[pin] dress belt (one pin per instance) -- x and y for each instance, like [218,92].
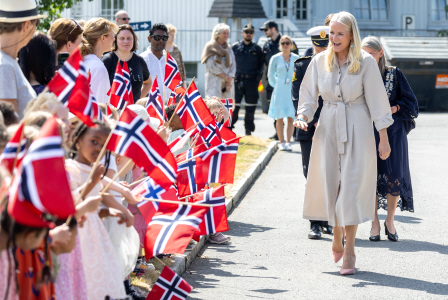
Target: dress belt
[341,132]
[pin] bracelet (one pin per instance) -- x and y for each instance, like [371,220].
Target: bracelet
[301,120]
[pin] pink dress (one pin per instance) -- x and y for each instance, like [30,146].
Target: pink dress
[4,264]
[99,258]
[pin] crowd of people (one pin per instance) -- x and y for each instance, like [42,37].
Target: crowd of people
[336,94]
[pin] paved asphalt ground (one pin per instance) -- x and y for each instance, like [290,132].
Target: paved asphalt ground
[270,256]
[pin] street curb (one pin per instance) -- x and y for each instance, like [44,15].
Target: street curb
[183,261]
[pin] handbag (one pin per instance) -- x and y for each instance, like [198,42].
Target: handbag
[408,124]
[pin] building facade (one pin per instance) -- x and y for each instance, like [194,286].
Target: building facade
[295,17]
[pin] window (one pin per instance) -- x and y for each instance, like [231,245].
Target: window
[282,9]
[301,9]
[110,7]
[191,68]
[371,9]
[77,10]
[438,11]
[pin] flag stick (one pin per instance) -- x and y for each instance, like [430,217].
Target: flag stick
[193,194]
[117,175]
[138,181]
[175,111]
[177,202]
[160,261]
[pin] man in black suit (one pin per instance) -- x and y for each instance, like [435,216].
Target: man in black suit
[319,39]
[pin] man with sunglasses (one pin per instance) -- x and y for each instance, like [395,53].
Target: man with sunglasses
[155,56]
[249,70]
[122,17]
[271,48]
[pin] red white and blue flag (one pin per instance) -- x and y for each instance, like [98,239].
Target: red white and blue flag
[169,286]
[151,190]
[9,155]
[211,135]
[180,141]
[33,192]
[127,77]
[118,91]
[228,104]
[192,109]
[217,164]
[172,227]
[63,83]
[225,133]
[215,220]
[154,105]
[134,138]
[186,171]
[172,74]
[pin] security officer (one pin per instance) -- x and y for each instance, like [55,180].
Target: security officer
[249,70]
[319,39]
[270,48]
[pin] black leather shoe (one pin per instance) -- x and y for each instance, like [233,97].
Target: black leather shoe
[274,137]
[315,232]
[375,238]
[327,229]
[390,236]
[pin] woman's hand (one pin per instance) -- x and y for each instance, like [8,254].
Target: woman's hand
[130,198]
[229,79]
[300,124]
[228,86]
[383,146]
[395,109]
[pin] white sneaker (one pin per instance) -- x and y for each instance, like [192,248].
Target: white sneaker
[288,147]
[282,147]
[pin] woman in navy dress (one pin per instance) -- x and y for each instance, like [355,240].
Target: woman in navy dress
[394,188]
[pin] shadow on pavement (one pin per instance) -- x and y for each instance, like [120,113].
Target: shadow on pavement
[403,245]
[377,279]
[401,219]
[245,229]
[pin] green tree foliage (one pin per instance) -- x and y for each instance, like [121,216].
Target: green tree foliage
[443,32]
[53,9]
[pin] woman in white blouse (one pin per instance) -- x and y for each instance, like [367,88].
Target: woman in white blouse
[97,38]
[342,172]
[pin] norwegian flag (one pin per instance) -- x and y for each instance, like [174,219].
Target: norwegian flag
[134,138]
[82,103]
[215,220]
[63,82]
[172,75]
[177,92]
[172,227]
[192,109]
[169,286]
[228,104]
[127,77]
[150,189]
[154,105]
[217,164]
[33,192]
[172,99]
[211,135]
[180,141]
[118,91]
[226,133]
[186,172]
[10,153]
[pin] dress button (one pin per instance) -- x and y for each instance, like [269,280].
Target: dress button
[339,96]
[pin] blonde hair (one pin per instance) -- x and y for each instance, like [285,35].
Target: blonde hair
[63,30]
[38,118]
[214,104]
[374,43]
[171,28]
[94,29]
[331,61]
[30,133]
[113,110]
[46,102]
[142,101]
[284,37]
[218,29]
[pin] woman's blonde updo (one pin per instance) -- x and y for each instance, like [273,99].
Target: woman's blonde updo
[354,52]
[94,29]
[63,30]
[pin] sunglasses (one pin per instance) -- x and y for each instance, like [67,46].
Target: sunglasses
[159,37]
[249,32]
[286,43]
[266,29]
[125,19]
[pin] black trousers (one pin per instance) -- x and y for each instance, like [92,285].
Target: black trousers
[247,88]
[305,147]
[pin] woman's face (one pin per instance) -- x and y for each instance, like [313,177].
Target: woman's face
[72,46]
[171,38]
[90,144]
[223,36]
[108,39]
[376,54]
[340,37]
[286,45]
[125,41]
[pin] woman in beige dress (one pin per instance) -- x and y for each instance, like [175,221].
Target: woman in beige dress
[342,173]
[220,66]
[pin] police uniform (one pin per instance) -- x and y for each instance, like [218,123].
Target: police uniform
[319,37]
[270,48]
[249,70]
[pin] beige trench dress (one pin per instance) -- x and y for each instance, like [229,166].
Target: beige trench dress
[344,151]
